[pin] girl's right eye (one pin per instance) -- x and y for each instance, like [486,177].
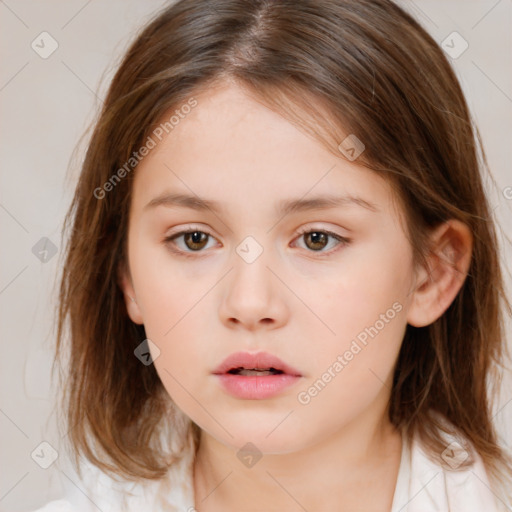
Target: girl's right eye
[195,240]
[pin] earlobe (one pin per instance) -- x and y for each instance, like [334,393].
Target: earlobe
[126,285]
[448,263]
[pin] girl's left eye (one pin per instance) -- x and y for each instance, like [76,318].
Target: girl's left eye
[195,240]
[317,239]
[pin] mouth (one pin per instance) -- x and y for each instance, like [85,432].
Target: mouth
[257,376]
[249,364]
[249,372]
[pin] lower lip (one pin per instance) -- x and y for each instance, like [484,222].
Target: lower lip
[256,387]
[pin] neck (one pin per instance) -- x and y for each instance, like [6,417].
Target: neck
[332,474]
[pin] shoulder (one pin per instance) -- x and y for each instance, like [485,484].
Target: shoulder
[98,491]
[57,506]
[458,483]
[95,490]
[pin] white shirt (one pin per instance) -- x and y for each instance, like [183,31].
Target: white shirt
[422,486]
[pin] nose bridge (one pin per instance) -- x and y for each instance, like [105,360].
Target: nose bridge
[252,291]
[251,262]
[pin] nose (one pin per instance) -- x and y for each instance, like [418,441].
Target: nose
[254,297]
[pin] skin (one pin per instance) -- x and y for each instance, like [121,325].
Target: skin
[301,304]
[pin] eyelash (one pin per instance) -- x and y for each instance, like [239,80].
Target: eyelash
[343,241]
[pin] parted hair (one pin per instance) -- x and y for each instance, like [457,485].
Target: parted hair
[333,67]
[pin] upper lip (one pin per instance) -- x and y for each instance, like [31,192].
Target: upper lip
[259,360]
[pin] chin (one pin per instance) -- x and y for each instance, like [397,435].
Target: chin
[270,434]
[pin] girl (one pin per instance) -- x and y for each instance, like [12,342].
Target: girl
[282,279]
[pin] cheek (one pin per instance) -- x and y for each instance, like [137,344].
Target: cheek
[354,367]
[369,290]
[166,288]
[364,310]
[334,399]
[172,304]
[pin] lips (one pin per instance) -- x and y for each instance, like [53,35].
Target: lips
[258,376]
[259,364]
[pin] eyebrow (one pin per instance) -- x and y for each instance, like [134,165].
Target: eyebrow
[283,208]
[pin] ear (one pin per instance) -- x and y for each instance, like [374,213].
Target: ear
[448,262]
[126,285]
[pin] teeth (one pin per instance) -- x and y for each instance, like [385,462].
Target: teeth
[254,371]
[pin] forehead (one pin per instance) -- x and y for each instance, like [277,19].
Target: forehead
[234,150]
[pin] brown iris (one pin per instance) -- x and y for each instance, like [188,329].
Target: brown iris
[316,237]
[197,239]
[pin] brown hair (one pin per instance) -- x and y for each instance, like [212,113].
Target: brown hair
[334,67]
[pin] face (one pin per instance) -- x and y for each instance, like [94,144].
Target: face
[324,289]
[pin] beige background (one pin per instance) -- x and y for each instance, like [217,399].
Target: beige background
[46,104]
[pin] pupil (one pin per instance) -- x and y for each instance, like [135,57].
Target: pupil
[195,238]
[318,238]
